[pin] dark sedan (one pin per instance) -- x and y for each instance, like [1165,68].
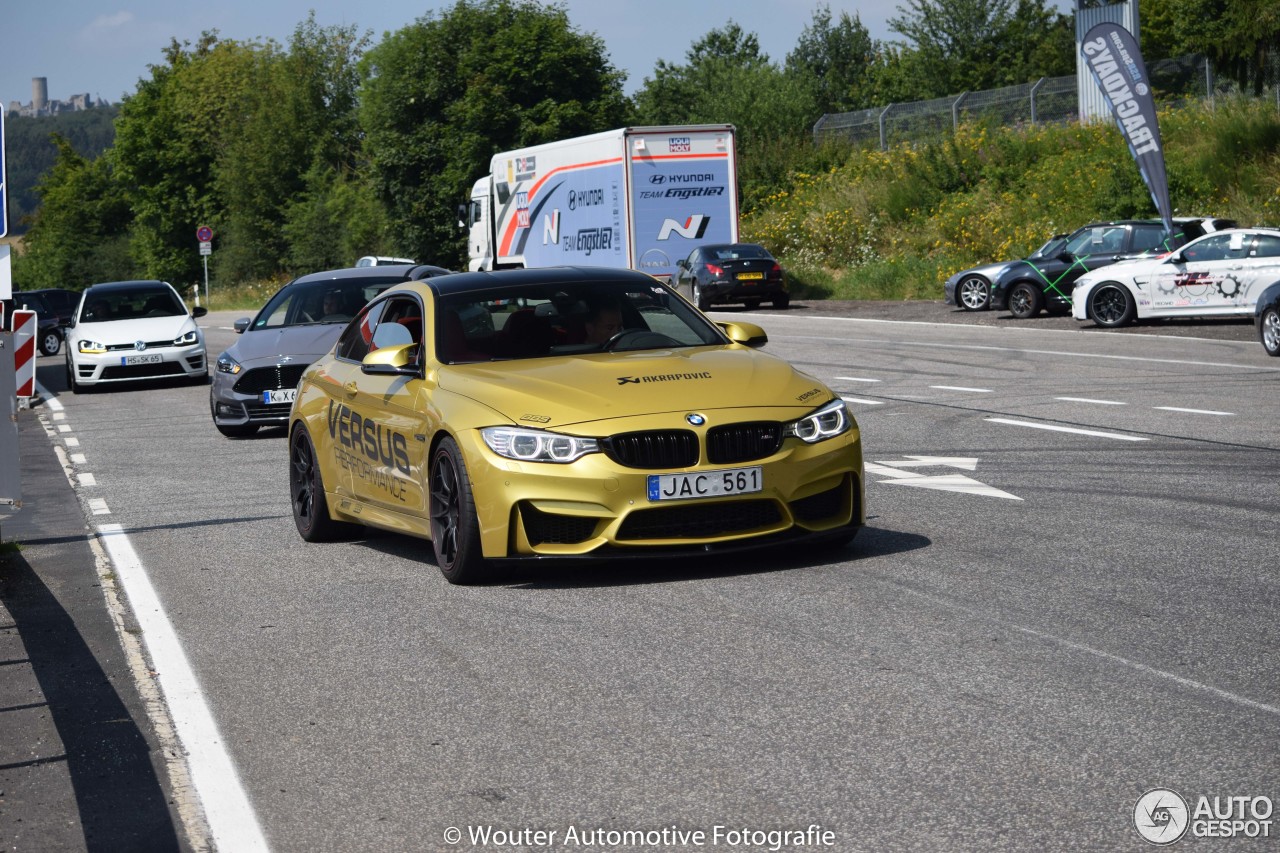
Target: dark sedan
[255,378]
[1267,317]
[732,272]
[52,306]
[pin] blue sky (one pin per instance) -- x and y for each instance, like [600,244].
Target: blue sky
[103,48]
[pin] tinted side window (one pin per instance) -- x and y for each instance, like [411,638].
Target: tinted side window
[1268,246]
[1146,238]
[1215,248]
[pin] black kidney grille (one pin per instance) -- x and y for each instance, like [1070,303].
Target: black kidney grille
[699,521]
[674,448]
[261,379]
[743,442]
[541,527]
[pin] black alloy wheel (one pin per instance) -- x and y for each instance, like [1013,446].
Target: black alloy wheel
[1111,306]
[1025,301]
[455,531]
[306,492]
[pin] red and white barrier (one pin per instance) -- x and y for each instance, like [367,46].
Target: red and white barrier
[24,352]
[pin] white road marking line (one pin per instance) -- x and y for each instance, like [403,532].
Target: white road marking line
[98,506]
[52,402]
[72,442]
[233,824]
[77,458]
[862,401]
[59,416]
[64,428]
[1054,428]
[856,379]
[1195,411]
[87,479]
[1108,656]
[961,388]
[1087,400]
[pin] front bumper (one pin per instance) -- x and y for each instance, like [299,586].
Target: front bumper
[597,508]
[114,365]
[245,398]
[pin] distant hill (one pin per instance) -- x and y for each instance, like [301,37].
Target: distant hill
[29,153]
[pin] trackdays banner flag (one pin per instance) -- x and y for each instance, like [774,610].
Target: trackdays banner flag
[1116,64]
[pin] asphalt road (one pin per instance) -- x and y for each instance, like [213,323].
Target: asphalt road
[1037,626]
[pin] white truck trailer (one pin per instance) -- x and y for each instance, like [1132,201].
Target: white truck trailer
[638,197]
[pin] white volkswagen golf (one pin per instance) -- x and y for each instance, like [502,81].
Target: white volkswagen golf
[126,331]
[1218,275]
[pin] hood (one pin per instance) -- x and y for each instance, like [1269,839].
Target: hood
[149,329]
[304,344]
[568,390]
[990,271]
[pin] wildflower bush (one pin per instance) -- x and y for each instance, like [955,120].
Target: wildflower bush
[896,224]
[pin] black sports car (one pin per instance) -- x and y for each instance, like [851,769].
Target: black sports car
[732,272]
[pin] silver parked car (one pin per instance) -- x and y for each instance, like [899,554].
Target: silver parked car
[254,380]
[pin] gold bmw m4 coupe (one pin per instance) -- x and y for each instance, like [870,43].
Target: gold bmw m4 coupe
[566,413]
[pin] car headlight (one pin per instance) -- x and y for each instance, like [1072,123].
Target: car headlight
[186,339]
[90,346]
[534,445]
[831,420]
[227,364]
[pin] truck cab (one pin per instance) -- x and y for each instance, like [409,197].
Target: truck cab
[476,220]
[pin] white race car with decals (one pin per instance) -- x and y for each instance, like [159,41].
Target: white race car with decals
[1218,275]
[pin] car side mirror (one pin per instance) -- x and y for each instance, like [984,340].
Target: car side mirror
[1066,256]
[682,264]
[67,322]
[747,334]
[241,325]
[399,360]
[199,311]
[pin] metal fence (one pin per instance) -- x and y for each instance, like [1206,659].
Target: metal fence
[1049,99]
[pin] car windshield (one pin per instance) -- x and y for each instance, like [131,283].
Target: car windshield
[1051,247]
[131,304]
[316,302]
[570,318]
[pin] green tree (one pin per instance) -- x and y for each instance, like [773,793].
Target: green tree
[80,234]
[835,61]
[727,80]
[444,94]
[1241,38]
[30,152]
[966,45]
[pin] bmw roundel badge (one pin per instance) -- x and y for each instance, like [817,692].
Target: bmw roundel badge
[695,419]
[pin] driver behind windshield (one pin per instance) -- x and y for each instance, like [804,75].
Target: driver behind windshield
[604,321]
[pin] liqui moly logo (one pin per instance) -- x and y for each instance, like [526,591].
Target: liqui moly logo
[679,145]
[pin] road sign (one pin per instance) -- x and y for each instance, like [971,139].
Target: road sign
[206,248]
[204,233]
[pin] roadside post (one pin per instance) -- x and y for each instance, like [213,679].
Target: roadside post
[10,460]
[205,235]
[23,372]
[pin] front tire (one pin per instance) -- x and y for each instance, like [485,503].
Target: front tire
[50,343]
[1025,301]
[1269,331]
[1111,306]
[973,293]
[455,531]
[306,492]
[781,303]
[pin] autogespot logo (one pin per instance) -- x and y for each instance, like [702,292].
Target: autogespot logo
[1161,816]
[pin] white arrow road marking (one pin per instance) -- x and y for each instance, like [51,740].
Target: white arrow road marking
[942,483]
[966,462]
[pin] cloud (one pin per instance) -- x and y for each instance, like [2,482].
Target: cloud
[110,22]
